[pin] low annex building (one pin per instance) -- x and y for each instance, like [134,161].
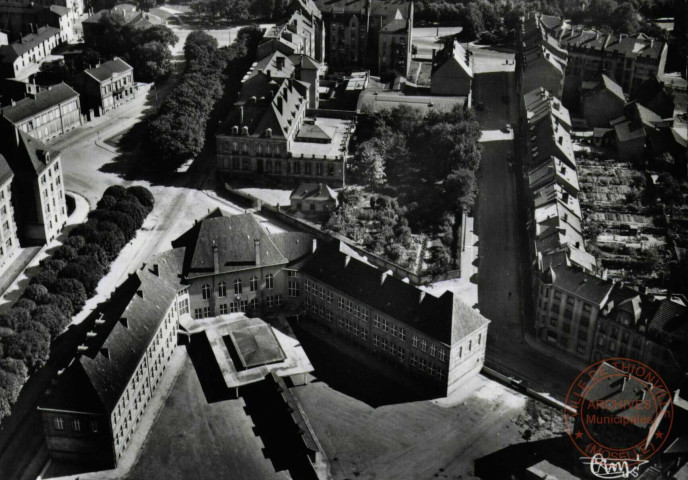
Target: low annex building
[315,199]
[451,71]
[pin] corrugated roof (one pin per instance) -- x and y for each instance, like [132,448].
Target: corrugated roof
[29,107]
[445,318]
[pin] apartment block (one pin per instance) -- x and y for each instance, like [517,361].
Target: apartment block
[47,113]
[94,407]
[22,58]
[37,187]
[8,227]
[370,34]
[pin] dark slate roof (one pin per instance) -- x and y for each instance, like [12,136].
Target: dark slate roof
[671,319]
[24,154]
[59,10]
[131,317]
[444,318]
[18,48]
[313,191]
[295,246]
[610,383]
[29,107]
[108,69]
[304,61]
[581,284]
[5,170]
[234,237]
[126,340]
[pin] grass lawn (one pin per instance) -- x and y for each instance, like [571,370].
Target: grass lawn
[192,439]
[422,439]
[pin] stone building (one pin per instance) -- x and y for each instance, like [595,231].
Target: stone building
[22,58]
[371,34]
[451,71]
[8,227]
[106,86]
[47,113]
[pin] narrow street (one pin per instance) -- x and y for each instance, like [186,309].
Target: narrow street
[502,284]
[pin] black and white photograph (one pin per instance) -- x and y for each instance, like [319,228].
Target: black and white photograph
[343,239]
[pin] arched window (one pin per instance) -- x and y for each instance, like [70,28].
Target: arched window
[254,284]
[206,291]
[237,286]
[222,289]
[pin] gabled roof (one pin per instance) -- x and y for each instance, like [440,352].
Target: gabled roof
[25,154]
[555,170]
[106,70]
[444,318]
[604,83]
[582,284]
[671,319]
[29,107]
[555,193]
[267,103]
[451,61]
[8,53]
[313,191]
[5,170]
[234,237]
[131,318]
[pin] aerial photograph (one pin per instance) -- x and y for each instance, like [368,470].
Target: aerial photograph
[343,239]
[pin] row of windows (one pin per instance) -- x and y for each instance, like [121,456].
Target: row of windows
[390,347]
[206,291]
[570,300]
[428,367]
[552,338]
[275,166]
[76,424]
[389,327]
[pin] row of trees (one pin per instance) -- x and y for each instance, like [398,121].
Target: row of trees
[145,49]
[65,281]
[236,11]
[178,132]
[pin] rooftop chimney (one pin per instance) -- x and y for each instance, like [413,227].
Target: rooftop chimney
[156,270]
[82,348]
[347,259]
[216,259]
[314,245]
[383,277]
[256,244]
[139,293]
[124,322]
[91,334]
[105,352]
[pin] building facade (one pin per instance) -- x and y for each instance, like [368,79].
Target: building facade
[452,73]
[22,58]
[47,113]
[371,34]
[313,199]
[95,405]
[106,86]
[37,187]
[440,340]
[268,133]
[8,228]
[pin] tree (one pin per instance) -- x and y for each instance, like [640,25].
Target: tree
[15,367]
[54,72]
[601,12]
[152,61]
[133,209]
[26,304]
[143,195]
[51,318]
[14,318]
[96,251]
[75,241]
[350,196]
[74,291]
[45,277]
[86,230]
[87,270]
[62,303]
[624,19]
[11,383]
[116,191]
[111,240]
[368,163]
[460,186]
[106,202]
[124,222]
[31,345]
[53,265]
[64,252]
[38,293]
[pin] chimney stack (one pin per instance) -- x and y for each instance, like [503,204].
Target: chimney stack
[216,259]
[314,245]
[256,244]
[156,271]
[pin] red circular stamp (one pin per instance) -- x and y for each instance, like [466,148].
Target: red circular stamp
[618,411]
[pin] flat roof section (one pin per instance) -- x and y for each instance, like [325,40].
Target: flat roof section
[337,129]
